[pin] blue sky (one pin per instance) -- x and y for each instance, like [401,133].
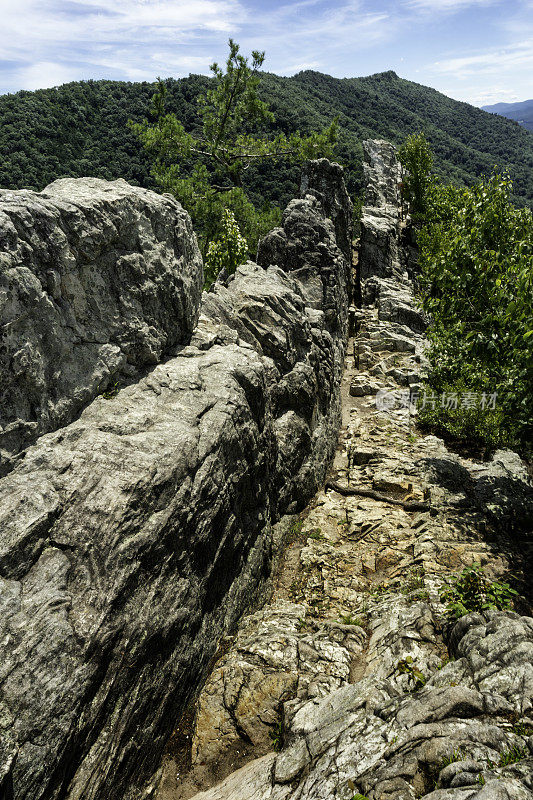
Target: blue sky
[480,51]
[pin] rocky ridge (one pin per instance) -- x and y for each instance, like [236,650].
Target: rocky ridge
[98,282]
[134,536]
[353,681]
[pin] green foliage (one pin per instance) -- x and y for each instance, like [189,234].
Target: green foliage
[512,755]
[407,666]
[420,594]
[522,729]
[417,160]
[358,203]
[276,734]
[347,619]
[476,260]
[455,755]
[316,534]
[414,580]
[204,167]
[471,591]
[111,392]
[295,531]
[358,795]
[81,129]
[226,253]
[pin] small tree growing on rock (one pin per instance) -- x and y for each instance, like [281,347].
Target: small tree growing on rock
[226,253]
[417,161]
[204,168]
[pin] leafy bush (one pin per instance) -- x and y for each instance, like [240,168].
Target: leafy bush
[416,158]
[476,261]
[407,666]
[226,253]
[473,591]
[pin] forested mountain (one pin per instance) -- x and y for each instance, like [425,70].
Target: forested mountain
[520,112]
[80,129]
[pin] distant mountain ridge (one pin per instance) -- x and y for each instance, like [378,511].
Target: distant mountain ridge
[520,112]
[80,129]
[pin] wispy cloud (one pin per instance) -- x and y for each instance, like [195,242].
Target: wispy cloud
[492,62]
[447,5]
[87,38]
[45,73]
[318,34]
[47,42]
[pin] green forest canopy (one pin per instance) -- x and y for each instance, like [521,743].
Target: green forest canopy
[80,129]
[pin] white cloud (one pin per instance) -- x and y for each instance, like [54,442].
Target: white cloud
[492,62]
[318,34]
[44,73]
[292,69]
[435,6]
[140,39]
[481,96]
[82,38]
[48,42]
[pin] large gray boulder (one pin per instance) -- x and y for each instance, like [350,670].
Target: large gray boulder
[98,280]
[134,537]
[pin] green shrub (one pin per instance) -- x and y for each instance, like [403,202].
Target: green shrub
[476,281]
[416,158]
[407,666]
[471,590]
[228,252]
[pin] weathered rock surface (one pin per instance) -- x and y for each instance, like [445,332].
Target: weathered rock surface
[275,658]
[325,181]
[379,253]
[98,280]
[133,538]
[302,245]
[372,738]
[410,704]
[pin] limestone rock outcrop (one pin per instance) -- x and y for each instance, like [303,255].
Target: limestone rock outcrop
[302,245]
[374,738]
[325,181]
[133,538]
[98,281]
[379,253]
